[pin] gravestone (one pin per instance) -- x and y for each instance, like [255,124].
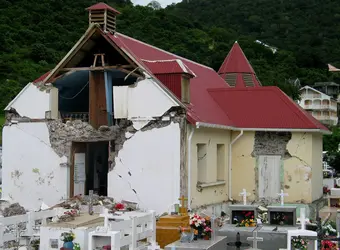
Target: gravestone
[218,243]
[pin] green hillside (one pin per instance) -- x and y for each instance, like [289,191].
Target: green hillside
[34,35]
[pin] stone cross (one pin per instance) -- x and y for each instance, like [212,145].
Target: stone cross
[183,210]
[244,194]
[282,195]
[255,239]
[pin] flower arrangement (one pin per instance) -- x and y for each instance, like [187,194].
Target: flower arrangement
[248,220]
[299,243]
[67,237]
[326,190]
[279,218]
[72,213]
[326,244]
[119,206]
[329,229]
[201,226]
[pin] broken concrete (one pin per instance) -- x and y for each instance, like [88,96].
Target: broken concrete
[271,143]
[13,209]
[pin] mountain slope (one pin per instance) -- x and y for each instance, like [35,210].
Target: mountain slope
[34,35]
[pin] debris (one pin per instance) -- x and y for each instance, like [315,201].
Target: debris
[14,209]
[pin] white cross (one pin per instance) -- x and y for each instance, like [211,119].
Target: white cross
[255,239]
[282,195]
[154,246]
[303,218]
[244,194]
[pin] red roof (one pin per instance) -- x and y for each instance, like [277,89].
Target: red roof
[265,107]
[237,66]
[102,6]
[174,66]
[214,102]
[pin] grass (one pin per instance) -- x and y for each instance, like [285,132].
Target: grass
[2,121]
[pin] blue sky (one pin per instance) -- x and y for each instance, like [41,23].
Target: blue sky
[164,3]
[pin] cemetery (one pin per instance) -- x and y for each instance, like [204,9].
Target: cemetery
[95,222]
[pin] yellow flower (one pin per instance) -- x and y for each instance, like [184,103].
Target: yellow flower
[247,225]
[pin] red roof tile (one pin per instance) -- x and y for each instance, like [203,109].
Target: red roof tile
[168,66]
[237,65]
[214,102]
[102,6]
[265,107]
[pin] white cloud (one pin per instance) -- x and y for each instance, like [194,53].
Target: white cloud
[164,3]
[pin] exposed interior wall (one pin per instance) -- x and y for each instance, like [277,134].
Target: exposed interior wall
[147,169]
[32,170]
[209,146]
[31,102]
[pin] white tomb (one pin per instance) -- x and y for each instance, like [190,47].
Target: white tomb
[125,231]
[301,232]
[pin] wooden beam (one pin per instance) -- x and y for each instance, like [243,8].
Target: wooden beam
[96,68]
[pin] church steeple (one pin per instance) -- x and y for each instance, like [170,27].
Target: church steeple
[237,71]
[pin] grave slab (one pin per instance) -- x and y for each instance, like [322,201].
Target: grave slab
[220,242]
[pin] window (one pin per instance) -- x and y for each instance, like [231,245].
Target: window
[220,162]
[201,163]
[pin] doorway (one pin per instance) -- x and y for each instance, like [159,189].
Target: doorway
[89,169]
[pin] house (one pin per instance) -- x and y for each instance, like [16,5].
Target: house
[135,122]
[321,106]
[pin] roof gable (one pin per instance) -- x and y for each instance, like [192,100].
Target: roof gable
[236,69]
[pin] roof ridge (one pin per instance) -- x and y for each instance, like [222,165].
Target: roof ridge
[167,52]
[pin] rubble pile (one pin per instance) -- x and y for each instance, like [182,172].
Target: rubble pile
[13,209]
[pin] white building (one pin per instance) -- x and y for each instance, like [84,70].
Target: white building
[323,107]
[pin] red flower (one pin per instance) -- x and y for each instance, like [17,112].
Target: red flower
[119,206]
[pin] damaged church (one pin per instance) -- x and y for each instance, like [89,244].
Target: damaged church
[134,122]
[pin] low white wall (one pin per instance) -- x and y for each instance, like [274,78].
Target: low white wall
[31,169]
[53,233]
[149,163]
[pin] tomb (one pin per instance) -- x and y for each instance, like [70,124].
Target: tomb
[81,226]
[168,227]
[213,244]
[282,215]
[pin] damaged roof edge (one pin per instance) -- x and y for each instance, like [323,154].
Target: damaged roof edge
[209,125]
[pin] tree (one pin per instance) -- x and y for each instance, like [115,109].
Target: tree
[155,5]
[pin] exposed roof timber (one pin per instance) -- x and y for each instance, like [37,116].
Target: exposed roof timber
[121,68]
[121,52]
[89,32]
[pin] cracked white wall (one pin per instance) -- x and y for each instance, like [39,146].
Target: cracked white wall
[31,168]
[149,163]
[31,102]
